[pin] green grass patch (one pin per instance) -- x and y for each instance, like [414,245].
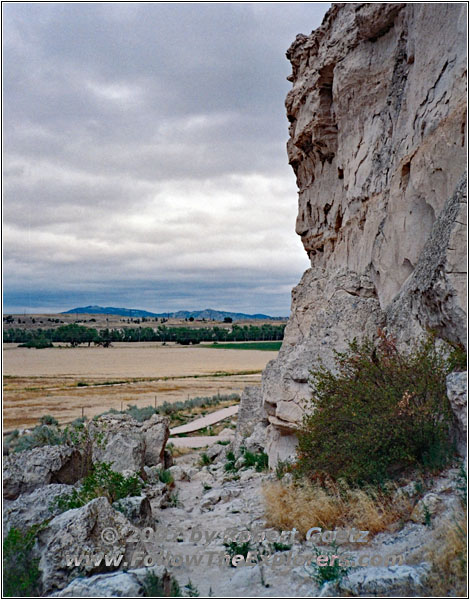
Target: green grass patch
[269,346]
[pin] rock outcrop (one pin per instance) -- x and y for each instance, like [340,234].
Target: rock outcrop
[127,443]
[76,533]
[251,422]
[377,140]
[128,584]
[25,471]
[34,508]
[457,394]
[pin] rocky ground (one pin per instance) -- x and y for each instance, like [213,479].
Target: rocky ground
[179,527]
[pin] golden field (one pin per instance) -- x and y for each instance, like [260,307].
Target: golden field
[64,381]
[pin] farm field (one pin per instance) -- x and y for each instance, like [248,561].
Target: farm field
[64,381]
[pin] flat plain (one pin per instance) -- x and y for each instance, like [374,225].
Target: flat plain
[65,382]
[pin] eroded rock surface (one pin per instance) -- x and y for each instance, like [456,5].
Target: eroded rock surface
[457,394]
[25,471]
[75,533]
[377,140]
[127,443]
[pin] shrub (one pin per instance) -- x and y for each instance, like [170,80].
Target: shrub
[48,420]
[234,548]
[259,461]
[102,481]
[191,590]
[165,476]
[204,460]
[230,464]
[21,575]
[328,572]
[381,412]
[38,343]
[42,435]
[283,467]
[159,587]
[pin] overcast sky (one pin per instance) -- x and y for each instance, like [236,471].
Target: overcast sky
[144,156]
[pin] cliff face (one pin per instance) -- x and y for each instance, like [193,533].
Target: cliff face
[377,117]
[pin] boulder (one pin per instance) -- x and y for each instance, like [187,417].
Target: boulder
[117,439]
[156,431]
[251,414]
[426,508]
[25,471]
[457,394]
[137,509]
[34,508]
[81,532]
[178,473]
[121,584]
[398,580]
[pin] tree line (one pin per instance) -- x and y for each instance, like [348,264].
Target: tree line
[75,335]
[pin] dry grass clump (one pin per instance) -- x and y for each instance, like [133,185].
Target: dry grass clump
[303,505]
[447,553]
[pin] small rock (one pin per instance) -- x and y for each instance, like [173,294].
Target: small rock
[427,507]
[178,473]
[137,509]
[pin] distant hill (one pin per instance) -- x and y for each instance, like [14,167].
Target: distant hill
[208,314]
[109,310]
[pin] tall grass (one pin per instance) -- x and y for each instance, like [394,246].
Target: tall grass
[303,505]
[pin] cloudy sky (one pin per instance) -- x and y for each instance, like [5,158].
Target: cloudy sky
[144,155]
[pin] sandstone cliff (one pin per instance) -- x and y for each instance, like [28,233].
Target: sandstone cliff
[377,140]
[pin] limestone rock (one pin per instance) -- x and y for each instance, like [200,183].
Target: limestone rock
[256,442]
[34,508]
[457,394]
[178,473]
[216,452]
[127,584]
[25,471]
[118,440]
[78,532]
[156,432]
[398,580]
[137,509]
[250,414]
[426,508]
[377,136]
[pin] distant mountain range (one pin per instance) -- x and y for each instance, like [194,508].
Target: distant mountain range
[208,314]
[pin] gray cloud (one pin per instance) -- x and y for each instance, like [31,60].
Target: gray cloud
[144,152]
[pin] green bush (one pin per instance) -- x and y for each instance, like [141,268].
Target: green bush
[230,464]
[235,548]
[259,461]
[38,343]
[159,587]
[48,420]
[102,481]
[21,575]
[204,460]
[42,435]
[328,572]
[379,413]
[165,476]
